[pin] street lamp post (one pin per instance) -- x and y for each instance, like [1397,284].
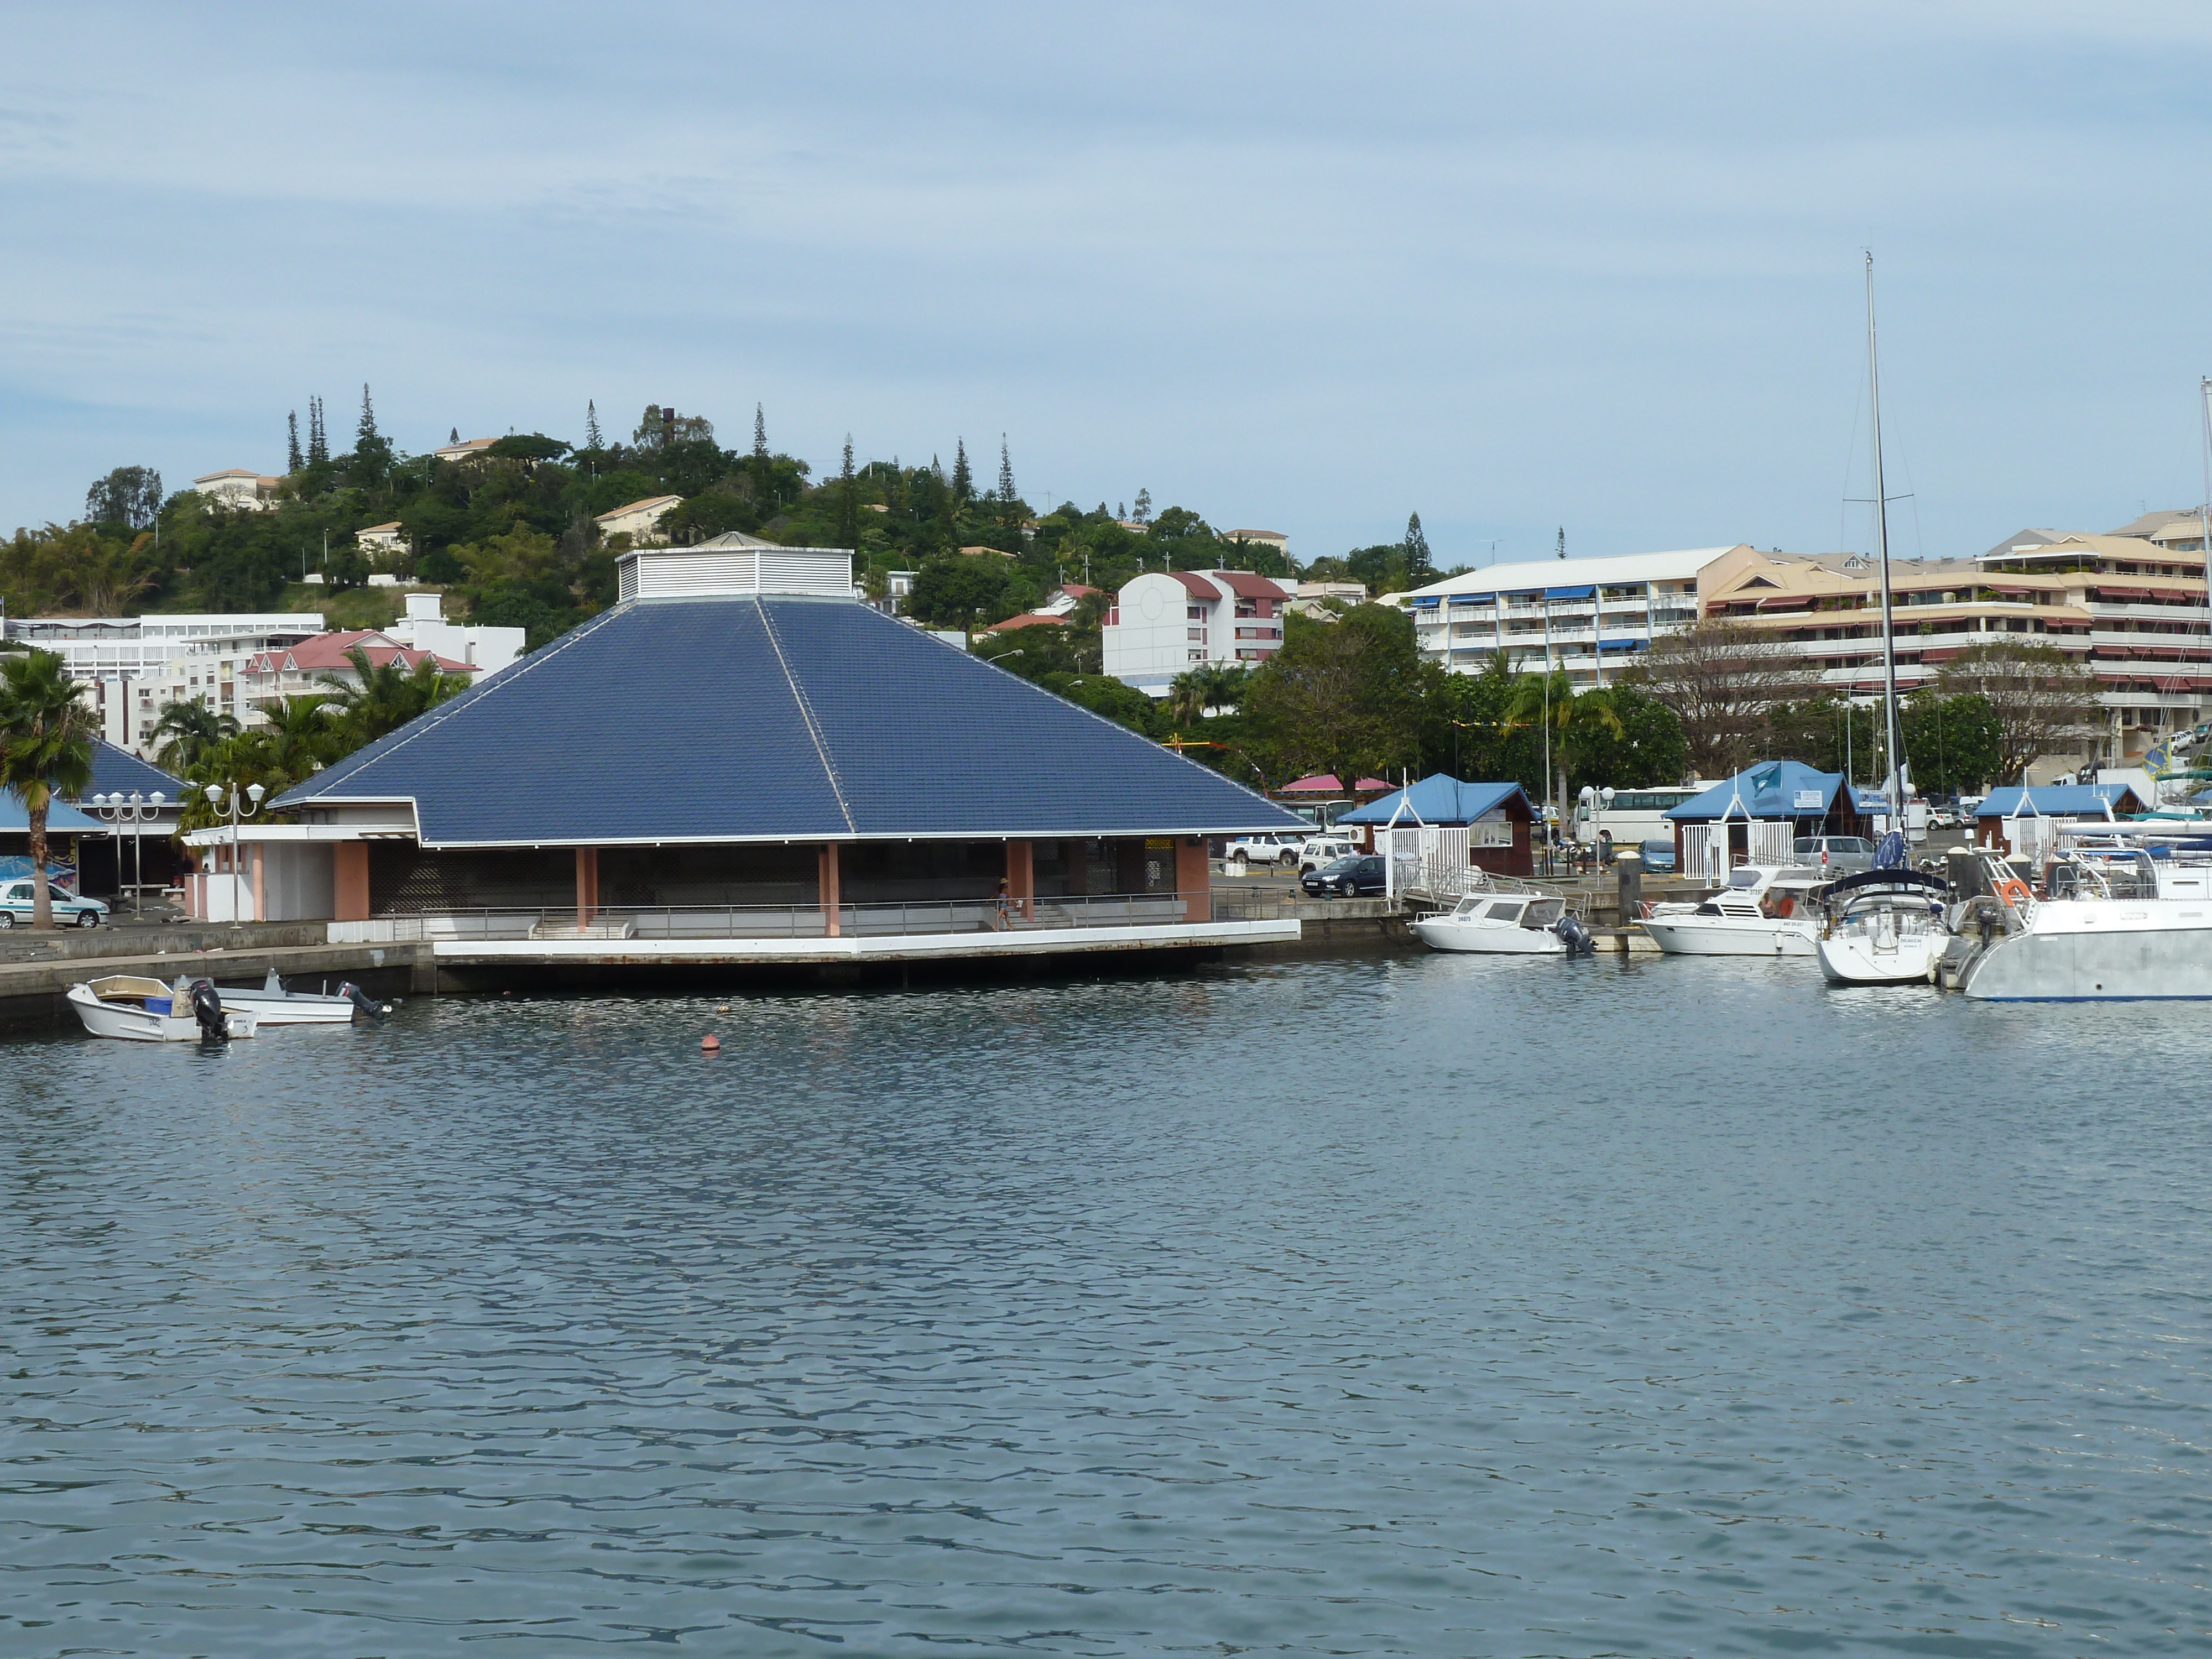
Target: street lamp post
[236,810]
[134,809]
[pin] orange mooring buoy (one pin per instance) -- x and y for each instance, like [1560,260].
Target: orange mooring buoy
[710,1044]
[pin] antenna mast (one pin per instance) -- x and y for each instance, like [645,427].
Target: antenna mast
[1893,787]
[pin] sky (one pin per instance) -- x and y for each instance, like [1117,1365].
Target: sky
[1590,267]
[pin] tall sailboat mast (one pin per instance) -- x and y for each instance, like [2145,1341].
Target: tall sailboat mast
[1893,787]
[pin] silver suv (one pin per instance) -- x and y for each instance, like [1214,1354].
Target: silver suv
[1840,855]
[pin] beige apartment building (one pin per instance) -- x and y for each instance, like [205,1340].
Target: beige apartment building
[2131,610]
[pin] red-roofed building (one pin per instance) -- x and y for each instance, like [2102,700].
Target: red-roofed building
[300,670]
[1164,623]
[1027,619]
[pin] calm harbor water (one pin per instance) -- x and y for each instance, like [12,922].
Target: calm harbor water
[1419,1306]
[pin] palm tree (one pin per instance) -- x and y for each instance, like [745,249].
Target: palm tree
[298,737]
[189,729]
[46,748]
[1548,702]
[382,697]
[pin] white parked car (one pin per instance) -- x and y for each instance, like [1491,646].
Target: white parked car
[1242,853]
[1325,849]
[17,907]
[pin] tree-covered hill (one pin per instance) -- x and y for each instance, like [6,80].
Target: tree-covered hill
[510,533]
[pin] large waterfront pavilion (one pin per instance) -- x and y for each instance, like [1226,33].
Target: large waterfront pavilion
[741,762]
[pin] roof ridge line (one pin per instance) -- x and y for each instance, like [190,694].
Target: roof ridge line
[806,714]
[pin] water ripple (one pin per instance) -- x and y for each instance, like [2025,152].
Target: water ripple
[1412,1306]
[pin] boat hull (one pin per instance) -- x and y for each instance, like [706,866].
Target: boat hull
[1722,936]
[1442,933]
[120,1020]
[294,1009]
[2101,951]
[1852,959]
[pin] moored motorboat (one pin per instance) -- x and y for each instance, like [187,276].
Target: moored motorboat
[272,1005]
[1766,910]
[140,1010]
[1490,923]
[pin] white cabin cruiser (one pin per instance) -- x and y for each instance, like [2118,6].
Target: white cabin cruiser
[1506,924]
[139,1009]
[1885,928]
[1766,910]
[2123,923]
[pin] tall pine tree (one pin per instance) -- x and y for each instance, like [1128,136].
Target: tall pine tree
[963,480]
[848,500]
[760,436]
[591,423]
[1007,482]
[364,435]
[293,460]
[318,443]
[1419,567]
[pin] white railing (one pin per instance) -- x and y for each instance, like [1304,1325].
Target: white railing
[736,922]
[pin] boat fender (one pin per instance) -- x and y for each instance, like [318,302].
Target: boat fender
[207,1009]
[368,1005]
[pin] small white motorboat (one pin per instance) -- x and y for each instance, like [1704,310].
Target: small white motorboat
[1889,929]
[1505,924]
[272,1005]
[1766,910]
[146,1011]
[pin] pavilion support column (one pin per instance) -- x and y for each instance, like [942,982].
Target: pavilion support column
[1195,878]
[831,896]
[260,888]
[1021,878]
[587,885]
[350,885]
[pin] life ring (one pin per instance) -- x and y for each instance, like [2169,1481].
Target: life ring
[1785,907]
[2013,890]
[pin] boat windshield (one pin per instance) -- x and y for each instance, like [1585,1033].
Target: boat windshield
[1745,877]
[1504,910]
[1543,913]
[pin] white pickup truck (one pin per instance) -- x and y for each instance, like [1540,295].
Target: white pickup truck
[1246,851]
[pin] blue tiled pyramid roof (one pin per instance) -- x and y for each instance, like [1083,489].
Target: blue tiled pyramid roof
[773,718]
[117,772]
[1438,798]
[1768,790]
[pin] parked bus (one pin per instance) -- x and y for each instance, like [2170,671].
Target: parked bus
[1634,818]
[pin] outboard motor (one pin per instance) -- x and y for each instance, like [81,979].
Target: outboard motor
[362,1001]
[1576,937]
[207,1008]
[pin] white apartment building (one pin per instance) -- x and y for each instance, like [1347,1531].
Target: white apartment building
[1588,617]
[424,628]
[134,667]
[1165,622]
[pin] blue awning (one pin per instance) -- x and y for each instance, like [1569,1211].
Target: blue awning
[1430,603]
[1625,642]
[1475,599]
[1570,592]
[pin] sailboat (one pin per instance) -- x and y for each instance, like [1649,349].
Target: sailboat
[1891,932]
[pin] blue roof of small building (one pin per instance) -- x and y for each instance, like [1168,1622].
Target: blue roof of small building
[1437,799]
[1771,789]
[62,818]
[772,718]
[2055,800]
[117,772]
